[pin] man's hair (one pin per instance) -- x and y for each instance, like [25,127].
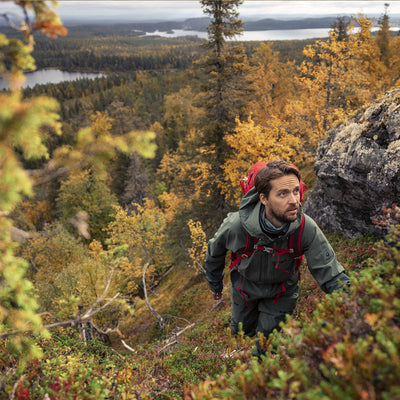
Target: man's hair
[273,170]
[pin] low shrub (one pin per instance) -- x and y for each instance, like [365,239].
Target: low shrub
[348,349]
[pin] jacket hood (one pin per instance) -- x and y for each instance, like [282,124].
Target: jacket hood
[249,212]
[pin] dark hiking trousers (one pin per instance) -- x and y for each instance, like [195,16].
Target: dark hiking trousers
[259,314]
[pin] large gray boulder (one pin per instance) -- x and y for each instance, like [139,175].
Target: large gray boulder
[358,169]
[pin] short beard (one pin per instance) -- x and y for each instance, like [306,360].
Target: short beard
[284,220]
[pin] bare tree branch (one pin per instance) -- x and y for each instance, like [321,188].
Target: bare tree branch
[165,274]
[102,298]
[6,16]
[128,347]
[218,303]
[202,269]
[160,319]
[90,312]
[70,322]
[14,389]
[174,339]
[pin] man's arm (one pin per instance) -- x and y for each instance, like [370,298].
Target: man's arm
[215,264]
[339,282]
[215,256]
[321,259]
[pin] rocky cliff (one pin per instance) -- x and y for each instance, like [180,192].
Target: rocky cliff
[358,169]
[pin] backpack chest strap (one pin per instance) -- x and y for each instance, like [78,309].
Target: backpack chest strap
[278,252]
[272,250]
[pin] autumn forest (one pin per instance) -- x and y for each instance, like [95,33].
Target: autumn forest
[111,187]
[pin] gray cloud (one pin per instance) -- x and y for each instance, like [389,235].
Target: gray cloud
[155,10]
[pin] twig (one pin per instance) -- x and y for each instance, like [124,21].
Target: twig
[128,347]
[166,273]
[88,315]
[202,269]
[102,298]
[46,314]
[14,389]
[10,23]
[172,341]
[182,319]
[218,303]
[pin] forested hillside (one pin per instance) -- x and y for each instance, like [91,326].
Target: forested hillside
[110,189]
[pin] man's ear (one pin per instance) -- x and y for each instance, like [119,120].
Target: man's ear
[263,198]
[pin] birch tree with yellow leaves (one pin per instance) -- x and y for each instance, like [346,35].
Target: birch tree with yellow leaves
[272,84]
[254,142]
[336,77]
[143,233]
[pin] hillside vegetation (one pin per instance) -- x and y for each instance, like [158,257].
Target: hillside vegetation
[110,189]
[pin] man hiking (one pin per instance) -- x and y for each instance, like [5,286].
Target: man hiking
[267,238]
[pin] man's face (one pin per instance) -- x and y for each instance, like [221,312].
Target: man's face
[282,204]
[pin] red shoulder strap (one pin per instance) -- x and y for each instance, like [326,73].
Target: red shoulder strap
[247,252]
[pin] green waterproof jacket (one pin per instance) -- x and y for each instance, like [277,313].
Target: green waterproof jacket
[264,273]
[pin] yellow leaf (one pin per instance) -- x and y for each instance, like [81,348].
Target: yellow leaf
[371,318]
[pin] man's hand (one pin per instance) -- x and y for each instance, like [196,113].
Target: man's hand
[217,296]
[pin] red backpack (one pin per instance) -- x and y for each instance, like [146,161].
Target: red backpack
[294,249]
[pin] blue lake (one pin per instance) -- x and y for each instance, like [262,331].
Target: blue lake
[45,76]
[282,34]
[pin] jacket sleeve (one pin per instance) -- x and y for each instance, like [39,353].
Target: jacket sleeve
[321,259]
[216,253]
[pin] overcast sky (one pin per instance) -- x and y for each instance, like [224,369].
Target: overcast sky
[181,9]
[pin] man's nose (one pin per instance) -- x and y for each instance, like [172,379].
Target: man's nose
[294,198]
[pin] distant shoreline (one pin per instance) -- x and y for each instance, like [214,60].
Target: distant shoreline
[200,24]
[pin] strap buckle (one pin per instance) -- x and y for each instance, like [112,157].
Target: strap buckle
[264,248]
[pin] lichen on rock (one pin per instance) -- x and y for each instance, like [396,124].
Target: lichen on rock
[358,169]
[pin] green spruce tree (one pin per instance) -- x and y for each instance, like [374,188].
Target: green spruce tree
[383,37]
[341,27]
[225,88]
